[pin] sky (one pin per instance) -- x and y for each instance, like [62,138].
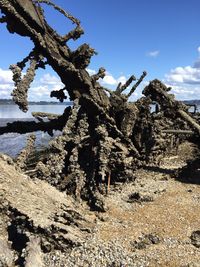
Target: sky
[161,37]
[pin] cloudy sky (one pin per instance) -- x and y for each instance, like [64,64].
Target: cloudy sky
[130,36]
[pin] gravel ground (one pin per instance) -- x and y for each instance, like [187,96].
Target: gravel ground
[153,221]
[149,223]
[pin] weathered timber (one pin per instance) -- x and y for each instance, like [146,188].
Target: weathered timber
[158,92]
[23,127]
[41,115]
[104,137]
[185,116]
[22,158]
[64,61]
[178,132]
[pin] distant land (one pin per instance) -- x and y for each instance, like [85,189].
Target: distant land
[11,102]
[192,102]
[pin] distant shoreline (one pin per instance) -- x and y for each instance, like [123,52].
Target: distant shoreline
[70,103]
[10,102]
[191,102]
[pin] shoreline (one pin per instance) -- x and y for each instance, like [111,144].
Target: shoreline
[151,221]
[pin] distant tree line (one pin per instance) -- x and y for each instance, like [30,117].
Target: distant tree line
[11,102]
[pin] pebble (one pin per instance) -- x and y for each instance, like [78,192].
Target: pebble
[94,254]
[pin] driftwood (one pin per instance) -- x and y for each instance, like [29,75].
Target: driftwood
[40,115]
[104,137]
[95,143]
[178,131]
[25,153]
[158,92]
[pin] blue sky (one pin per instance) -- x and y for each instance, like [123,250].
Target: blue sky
[159,36]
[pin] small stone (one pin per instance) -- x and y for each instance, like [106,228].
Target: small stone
[195,238]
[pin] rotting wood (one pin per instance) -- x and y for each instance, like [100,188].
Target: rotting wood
[177,132]
[103,132]
[158,92]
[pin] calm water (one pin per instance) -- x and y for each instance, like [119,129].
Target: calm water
[13,143]
[12,111]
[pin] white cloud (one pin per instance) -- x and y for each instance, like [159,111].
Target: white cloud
[112,82]
[121,79]
[50,79]
[39,90]
[5,94]
[198,49]
[185,81]
[186,92]
[5,87]
[109,80]
[185,75]
[5,76]
[91,72]
[154,53]
[188,75]
[6,83]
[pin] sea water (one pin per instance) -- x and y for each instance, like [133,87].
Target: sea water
[13,143]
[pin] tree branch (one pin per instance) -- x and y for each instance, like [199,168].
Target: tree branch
[24,127]
[20,93]
[121,88]
[137,84]
[59,9]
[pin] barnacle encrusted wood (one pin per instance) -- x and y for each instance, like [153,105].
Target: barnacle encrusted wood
[104,137]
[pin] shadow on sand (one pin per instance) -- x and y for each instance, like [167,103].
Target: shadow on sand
[189,174]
